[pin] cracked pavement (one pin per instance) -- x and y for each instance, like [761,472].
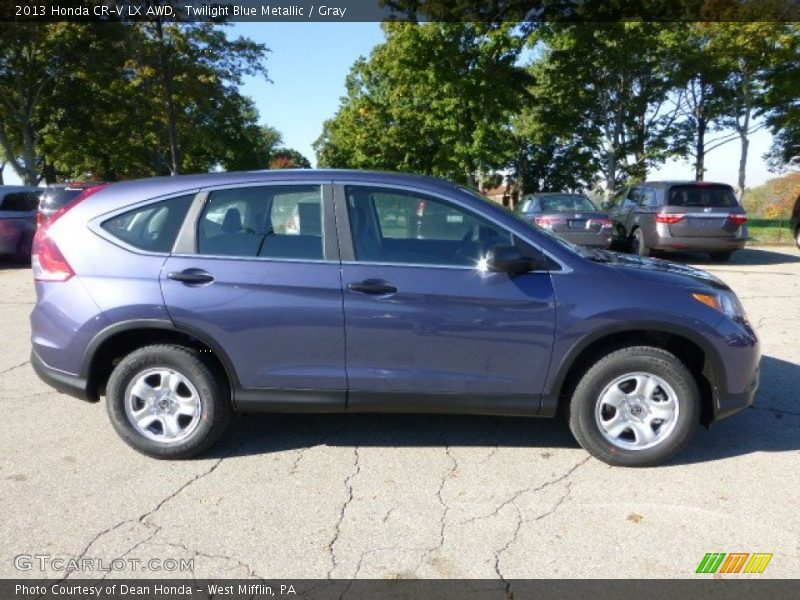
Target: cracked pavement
[388,496]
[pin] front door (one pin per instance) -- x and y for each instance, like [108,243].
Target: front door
[424,317]
[264,286]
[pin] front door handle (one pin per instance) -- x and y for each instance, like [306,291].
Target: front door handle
[191,276]
[373,286]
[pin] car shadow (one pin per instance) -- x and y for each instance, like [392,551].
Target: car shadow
[746,256]
[262,433]
[772,424]
[9,264]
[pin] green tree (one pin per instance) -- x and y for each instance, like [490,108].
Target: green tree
[32,59]
[435,98]
[782,100]
[749,50]
[288,158]
[612,84]
[705,98]
[191,74]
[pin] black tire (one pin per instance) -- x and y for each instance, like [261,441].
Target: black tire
[634,359]
[721,256]
[638,245]
[797,237]
[215,407]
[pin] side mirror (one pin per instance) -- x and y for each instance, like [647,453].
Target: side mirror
[509,259]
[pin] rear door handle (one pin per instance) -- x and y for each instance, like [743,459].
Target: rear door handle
[373,286]
[195,276]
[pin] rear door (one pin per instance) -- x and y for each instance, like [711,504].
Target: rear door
[260,276]
[423,318]
[706,210]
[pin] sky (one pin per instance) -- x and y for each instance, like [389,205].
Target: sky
[307,67]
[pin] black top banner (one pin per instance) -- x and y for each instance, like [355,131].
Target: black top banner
[405,10]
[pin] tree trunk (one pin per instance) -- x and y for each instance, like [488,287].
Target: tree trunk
[700,150]
[743,161]
[611,169]
[168,80]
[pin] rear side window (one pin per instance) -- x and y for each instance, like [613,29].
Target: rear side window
[721,196]
[153,227]
[279,221]
[20,202]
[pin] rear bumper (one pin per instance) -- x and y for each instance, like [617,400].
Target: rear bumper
[698,243]
[64,383]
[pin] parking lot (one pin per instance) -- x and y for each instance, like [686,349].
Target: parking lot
[287,496]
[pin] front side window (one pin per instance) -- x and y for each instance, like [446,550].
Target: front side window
[397,226]
[271,222]
[153,227]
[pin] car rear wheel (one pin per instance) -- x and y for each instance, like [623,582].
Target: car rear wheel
[721,256]
[797,237]
[635,407]
[638,245]
[165,402]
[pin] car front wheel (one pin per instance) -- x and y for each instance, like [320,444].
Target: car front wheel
[165,402]
[635,407]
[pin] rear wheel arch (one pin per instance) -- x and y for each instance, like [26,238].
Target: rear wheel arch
[699,357]
[112,344]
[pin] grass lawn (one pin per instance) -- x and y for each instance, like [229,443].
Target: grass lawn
[770,234]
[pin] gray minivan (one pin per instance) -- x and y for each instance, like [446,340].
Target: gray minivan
[680,216]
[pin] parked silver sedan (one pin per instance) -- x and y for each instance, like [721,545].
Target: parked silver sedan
[18,205]
[572,217]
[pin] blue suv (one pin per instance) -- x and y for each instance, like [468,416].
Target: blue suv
[182,300]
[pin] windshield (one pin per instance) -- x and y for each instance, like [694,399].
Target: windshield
[565,203]
[579,250]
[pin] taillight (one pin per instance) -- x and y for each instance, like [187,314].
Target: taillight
[670,218]
[603,223]
[48,262]
[737,219]
[549,222]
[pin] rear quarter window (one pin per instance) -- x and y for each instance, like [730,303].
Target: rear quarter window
[720,196]
[153,227]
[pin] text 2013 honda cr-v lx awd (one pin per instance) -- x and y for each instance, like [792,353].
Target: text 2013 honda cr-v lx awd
[184,299]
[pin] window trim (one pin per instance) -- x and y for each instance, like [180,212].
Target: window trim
[347,249]
[96,224]
[186,242]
